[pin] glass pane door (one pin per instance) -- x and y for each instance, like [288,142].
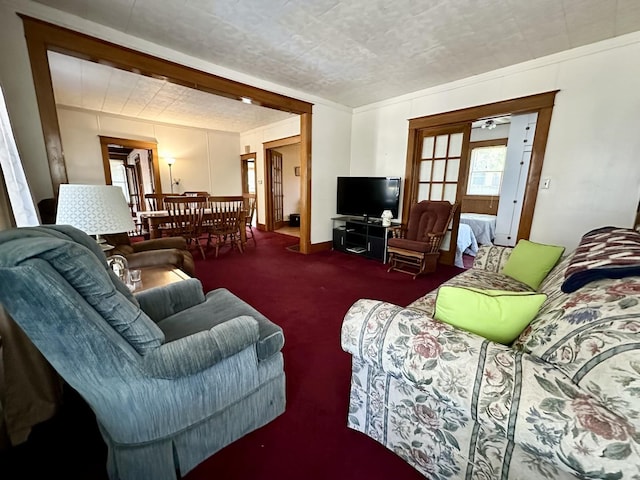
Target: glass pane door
[440,169]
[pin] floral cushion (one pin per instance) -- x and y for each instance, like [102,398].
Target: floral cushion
[491,258]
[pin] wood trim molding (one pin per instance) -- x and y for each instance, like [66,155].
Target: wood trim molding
[305,183]
[69,42]
[529,103]
[535,171]
[410,191]
[268,193]
[282,142]
[37,49]
[106,165]
[43,36]
[129,143]
[494,142]
[320,247]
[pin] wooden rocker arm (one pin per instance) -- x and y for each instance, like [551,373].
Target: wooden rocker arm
[398,231]
[434,240]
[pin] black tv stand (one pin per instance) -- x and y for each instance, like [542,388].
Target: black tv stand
[362,236]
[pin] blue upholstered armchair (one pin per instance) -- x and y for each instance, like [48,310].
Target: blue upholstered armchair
[171,374]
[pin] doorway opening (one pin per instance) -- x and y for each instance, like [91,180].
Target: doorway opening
[457,156]
[43,36]
[249,181]
[283,186]
[132,165]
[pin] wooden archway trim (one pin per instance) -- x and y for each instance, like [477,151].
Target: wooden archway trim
[541,103]
[129,143]
[42,36]
[282,142]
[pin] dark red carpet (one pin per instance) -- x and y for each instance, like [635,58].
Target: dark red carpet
[308,296]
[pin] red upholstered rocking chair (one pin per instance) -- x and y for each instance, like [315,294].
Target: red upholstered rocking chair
[415,249]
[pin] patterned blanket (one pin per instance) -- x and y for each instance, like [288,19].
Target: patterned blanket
[607,252]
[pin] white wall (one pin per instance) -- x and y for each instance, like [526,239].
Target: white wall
[330,147]
[206,160]
[330,152]
[255,139]
[592,151]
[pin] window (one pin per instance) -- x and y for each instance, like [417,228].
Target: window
[485,172]
[24,211]
[119,176]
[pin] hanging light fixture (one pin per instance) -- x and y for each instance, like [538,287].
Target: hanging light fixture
[489,125]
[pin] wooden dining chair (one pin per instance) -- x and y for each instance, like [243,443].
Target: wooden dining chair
[225,221]
[154,201]
[196,193]
[250,211]
[185,218]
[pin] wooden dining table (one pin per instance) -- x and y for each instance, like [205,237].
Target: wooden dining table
[151,221]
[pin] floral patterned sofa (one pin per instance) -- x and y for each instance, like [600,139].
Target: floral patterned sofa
[562,402]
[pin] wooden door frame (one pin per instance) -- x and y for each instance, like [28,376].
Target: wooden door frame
[130,143]
[244,173]
[271,225]
[42,36]
[244,170]
[447,256]
[268,194]
[541,103]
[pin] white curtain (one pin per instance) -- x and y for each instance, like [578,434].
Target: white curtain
[6,217]
[24,211]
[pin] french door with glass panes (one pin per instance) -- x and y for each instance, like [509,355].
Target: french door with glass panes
[438,172]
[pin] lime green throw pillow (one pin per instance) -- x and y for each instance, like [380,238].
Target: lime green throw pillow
[497,315]
[531,262]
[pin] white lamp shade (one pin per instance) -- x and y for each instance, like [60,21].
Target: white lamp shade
[94,209]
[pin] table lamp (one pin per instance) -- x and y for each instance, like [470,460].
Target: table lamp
[94,209]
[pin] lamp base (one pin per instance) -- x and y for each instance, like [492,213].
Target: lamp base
[103,243]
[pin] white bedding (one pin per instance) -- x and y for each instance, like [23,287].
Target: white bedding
[466,244]
[483,226]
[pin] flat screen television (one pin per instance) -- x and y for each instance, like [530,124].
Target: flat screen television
[368,196]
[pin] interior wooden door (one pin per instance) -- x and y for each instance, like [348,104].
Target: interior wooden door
[277,191]
[248,172]
[133,185]
[440,165]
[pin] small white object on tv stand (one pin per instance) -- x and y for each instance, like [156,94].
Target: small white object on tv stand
[386,218]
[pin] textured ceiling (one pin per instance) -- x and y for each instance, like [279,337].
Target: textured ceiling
[356,52]
[82,84]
